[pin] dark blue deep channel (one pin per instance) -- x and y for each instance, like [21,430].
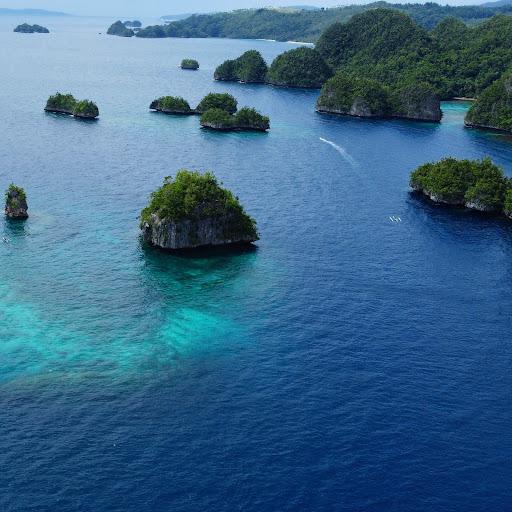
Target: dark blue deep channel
[351,363]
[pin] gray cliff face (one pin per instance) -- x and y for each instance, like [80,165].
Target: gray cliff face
[436,198]
[188,234]
[360,108]
[423,106]
[475,204]
[16,206]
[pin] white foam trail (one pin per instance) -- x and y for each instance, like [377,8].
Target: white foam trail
[341,151]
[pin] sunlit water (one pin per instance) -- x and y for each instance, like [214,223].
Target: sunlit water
[358,360]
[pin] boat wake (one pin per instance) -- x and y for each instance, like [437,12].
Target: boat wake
[341,151]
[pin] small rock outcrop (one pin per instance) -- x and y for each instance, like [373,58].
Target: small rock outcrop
[189,64]
[493,108]
[172,105]
[16,203]
[474,184]
[67,104]
[25,28]
[246,119]
[193,211]
[362,97]
[248,68]
[120,29]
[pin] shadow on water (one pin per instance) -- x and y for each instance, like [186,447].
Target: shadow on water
[15,228]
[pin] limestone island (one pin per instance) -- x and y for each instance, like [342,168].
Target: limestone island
[67,104]
[190,64]
[493,108]
[248,68]
[475,184]
[25,28]
[172,105]
[193,211]
[351,95]
[16,203]
[215,100]
[301,67]
[246,119]
[133,24]
[120,29]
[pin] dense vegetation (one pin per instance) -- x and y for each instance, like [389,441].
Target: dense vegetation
[388,46]
[86,108]
[172,104]
[480,185]
[364,97]
[16,202]
[67,104]
[245,119]
[120,29]
[493,108]
[194,196]
[222,101]
[301,67]
[133,24]
[307,25]
[189,64]
[25,28]
[249,67]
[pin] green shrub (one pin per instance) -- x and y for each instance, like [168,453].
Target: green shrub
[250,118]
[218,117]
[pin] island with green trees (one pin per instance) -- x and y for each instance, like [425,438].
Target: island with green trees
[475,184]
[190,64]
[172,105]
[193,211]
[246,119]
[25,28]
[120,29]
[133,24]
[306,24]
[67,104]
[248,68]
[352,95]
[300,67]
[221,101]
[16,203]
[493,108]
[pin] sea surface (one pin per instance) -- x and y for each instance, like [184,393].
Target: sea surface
[358,360]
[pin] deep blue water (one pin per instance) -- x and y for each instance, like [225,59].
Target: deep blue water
[350,363]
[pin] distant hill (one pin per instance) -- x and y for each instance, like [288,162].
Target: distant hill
[307,25]
[499,3]
[30,12]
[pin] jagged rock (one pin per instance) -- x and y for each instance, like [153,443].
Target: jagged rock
[16,203]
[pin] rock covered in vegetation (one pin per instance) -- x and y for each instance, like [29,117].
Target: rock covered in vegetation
[25,28]
[301,67]
[493,108]
[133,24]
[16,203]
[248,68]
[246,119]
[363,97]
[222,101]
[67,104]
[172,105]
[190,64]
[477,185]
[193,211]
[120,29]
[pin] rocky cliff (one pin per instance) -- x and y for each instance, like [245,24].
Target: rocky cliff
[16,203]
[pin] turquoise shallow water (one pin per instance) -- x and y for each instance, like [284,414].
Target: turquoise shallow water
[348,363]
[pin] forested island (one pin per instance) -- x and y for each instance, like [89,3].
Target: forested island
[16,203]
[250,67]
[67,104]
[475,184]
[193,211]
[493,108]
[120,29]
[307,25]
[25,28]
[172,105]
[190,64]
